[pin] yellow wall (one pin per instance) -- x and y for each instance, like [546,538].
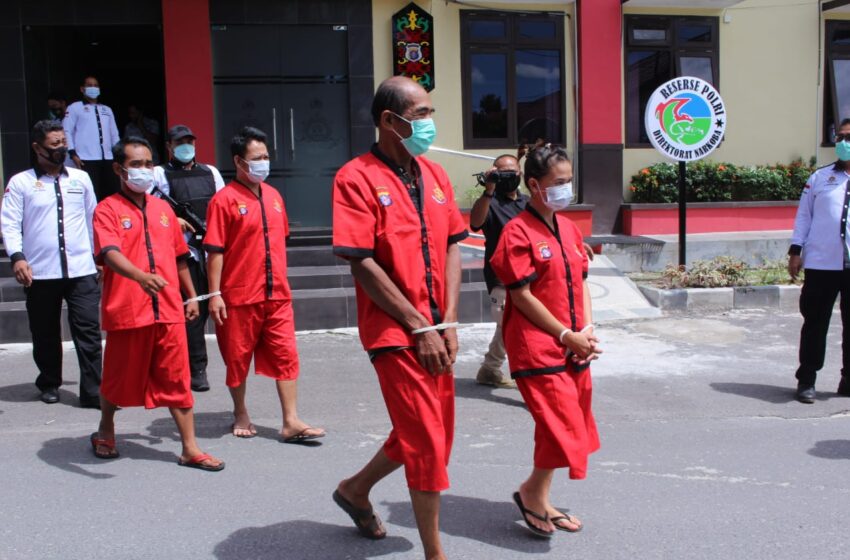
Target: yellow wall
[447,95]
[770,73]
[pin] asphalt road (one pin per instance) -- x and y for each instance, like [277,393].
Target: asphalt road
[705,455]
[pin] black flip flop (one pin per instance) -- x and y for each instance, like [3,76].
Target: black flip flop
[526,512]
[370,529]
[568,518]
[303,436]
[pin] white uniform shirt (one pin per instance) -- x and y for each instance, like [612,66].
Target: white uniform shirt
[161,179]
[48,227]
[91,130]
[820,228]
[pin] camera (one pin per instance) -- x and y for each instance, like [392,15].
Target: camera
[506,181]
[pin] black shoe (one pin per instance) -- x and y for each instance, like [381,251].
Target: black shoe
[200,383]
[90,402]
[844,387]
[50,396]
[806,393]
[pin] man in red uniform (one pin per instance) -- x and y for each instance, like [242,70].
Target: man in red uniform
[252,305]
[146,359]
[396,221]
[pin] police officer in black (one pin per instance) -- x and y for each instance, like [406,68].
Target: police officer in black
[194,184]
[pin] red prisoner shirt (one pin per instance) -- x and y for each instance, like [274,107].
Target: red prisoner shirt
[554,264]
[405,224]
[251,232]
[150,238]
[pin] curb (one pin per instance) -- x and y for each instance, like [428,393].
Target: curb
[743,297]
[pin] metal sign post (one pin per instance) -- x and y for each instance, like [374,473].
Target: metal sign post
[685,120]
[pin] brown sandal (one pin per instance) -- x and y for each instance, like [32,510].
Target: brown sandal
[109,443]
[371,529]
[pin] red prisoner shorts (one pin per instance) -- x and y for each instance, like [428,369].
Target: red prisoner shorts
[565,431]
[422,411]
[147,366]
[263,331]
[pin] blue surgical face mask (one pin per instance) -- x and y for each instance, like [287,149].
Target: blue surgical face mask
[559,197]
[423,133]
[258,170]
[842,150]
[92,92]
[184,153]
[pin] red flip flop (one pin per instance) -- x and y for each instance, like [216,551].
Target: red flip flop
[109,443]
[197,462]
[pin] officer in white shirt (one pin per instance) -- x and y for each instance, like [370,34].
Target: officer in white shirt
[187,181]
[91,132]
[46,220]
[820,244]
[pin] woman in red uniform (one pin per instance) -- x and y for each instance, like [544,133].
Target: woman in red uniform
[548,334]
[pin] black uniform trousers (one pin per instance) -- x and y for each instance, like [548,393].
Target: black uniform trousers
[44,310]
[817,299]
[195,330]
[103,178]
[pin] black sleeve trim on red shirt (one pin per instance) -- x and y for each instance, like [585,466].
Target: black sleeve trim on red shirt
[375,352]
[795,250]
[458,237]
[355,252]
[584,275]
[213,248]
[99,258]
[15,257]
[539,371]
[184,256]
[520,283]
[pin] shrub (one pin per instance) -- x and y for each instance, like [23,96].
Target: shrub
[707,181]
[721,272]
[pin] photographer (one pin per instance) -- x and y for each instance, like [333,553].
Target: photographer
[498,204]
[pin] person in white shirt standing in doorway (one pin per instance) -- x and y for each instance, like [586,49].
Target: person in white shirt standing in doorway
[91,132]
[46,220]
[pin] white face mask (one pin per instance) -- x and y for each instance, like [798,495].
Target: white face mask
[558,197]
[139,179]
[258,170]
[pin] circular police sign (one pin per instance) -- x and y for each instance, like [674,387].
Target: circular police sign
[685,119]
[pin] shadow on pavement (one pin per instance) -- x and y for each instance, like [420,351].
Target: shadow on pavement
[208,425]
[306,539]
[469,389]
[28,392]
[75,454]
[831,449]
[493,523]
[767,393]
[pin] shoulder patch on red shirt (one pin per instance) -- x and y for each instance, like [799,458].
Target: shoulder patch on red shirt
[543,248]
[278,207]
[163,219]
[126,221]
[384,196]
[438,195]
[242,208]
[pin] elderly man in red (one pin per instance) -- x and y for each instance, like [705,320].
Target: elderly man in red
[252,304]
[396,221]
[146,360]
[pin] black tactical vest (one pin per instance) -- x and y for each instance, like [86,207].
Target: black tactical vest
[195,186]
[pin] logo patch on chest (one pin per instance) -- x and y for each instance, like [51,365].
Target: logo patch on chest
[126,222]
[438,195]
[544,250]
[39,186]
[384,196]
[242,208]
[163,219]
[278,207]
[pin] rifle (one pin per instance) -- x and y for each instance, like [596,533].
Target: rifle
[184,210]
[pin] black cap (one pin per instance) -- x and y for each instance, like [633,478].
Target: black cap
[179,131]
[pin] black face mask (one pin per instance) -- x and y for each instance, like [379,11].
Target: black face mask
[58,114]
[55,155]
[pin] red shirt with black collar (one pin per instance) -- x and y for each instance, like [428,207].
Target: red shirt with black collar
[150,238]
[250,231]
[554,263]
[406,224]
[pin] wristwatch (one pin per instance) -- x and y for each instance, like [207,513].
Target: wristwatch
[488,195]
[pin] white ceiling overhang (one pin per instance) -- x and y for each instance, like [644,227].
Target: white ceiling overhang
[836,6]
[717,4]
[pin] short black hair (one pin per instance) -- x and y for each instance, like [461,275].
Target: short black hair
[845,122]
[390,97]
[57,95]
[540,160]
[239,143]
[503,156]
[86,77]
[42,128]
[118,153]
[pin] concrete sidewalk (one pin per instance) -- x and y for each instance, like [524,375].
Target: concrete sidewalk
[705,455]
